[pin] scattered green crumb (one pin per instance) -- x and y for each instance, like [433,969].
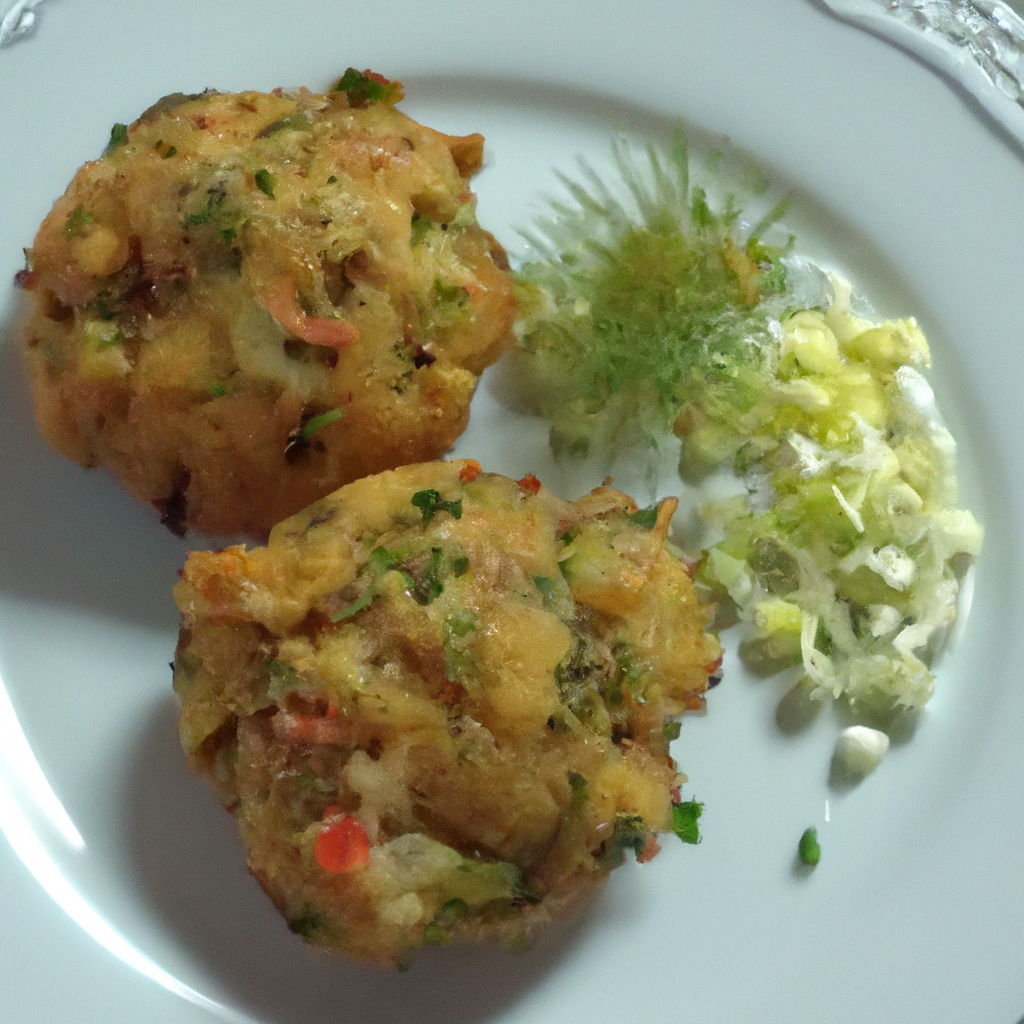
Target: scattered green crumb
[685,817]
[809,849]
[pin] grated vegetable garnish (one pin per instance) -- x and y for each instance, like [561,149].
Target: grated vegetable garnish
[658,315]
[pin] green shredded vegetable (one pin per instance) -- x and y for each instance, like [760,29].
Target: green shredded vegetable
[628,312]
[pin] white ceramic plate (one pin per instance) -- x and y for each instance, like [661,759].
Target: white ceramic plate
[124,890]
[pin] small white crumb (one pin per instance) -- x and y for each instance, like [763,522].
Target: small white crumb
[860,749]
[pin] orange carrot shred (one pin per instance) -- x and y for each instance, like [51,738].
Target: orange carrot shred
[342,845]
[651,848]
[470,471]
[530,483]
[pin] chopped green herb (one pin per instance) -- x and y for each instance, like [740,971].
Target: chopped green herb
[671,730]
[460,623]
[427,585]
[574,677]
[171,151]
[265,182]
[350,611]
[363,89]
[578,785]
[546,586]
[809,848]
[628,833]
[381,560]
[646,517]
[214,200]
[453,910]
[460,565]
[630,671]
[217,390]
[421,224]
[447,294]
[438,931]
[685,818]
[429,503]
[457,653]
[118,137]
[201,216]
[78,220]
[307,924]
[332,179]
[318,422]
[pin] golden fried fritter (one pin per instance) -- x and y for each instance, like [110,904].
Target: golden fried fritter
[252,299]
[437,702]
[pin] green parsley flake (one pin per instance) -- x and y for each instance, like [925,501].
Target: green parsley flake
[118,137]
[364,89]
[578,785]
[628,833]
[350,611]
[209,210]
[809,848]
[318,422]
[646,517]
[217,390]
[332,179]
[200,217]
[78,220]
[685,818]
[265,182]
[381,560]
[429,503]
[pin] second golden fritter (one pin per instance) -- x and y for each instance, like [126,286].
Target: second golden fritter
[252,299]
[439,702]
